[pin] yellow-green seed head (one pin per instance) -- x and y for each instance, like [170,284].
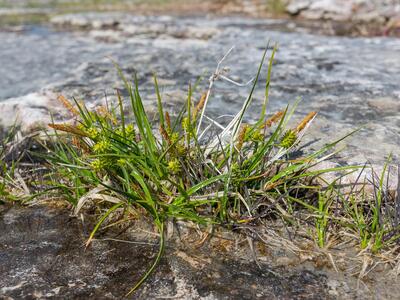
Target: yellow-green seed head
[102,147]
[122,161]
[180,148]
[97,164]
[130,131]
[185,124]
[288,139]
[82,127]
[174,166]
[174,137]
[92,132]
[257,136]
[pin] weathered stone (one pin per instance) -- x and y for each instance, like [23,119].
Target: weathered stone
[295,7]
[42,255]
[329,73]
[385,106]
[89,20]
[345,10]
[337,10]
[32,110]
[372,16]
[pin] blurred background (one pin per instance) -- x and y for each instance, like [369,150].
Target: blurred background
[357,17]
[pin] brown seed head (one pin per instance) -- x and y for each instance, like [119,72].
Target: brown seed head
[241,136]
[275,118]
[68,128]
[305,121]
[68,105]
[103,111]
[200,105]
[164,134]
[167,120]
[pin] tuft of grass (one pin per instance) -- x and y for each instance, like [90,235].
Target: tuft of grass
[13,182]
[6,169]
[21,166]
[188,167]
[372,213]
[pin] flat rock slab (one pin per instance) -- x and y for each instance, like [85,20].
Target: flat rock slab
[351,82]
[42,256]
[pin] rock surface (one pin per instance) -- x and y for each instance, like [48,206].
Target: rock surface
[381,12]
[34,109]
[351,82]
[42,256]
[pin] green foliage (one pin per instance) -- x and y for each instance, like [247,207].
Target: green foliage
[177,173]
[205,173]
[373,215]
[7,169]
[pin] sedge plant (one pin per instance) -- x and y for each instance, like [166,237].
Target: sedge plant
[186,167]
[372,213]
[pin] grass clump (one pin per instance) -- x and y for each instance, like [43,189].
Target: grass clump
[372,213]
[14,164]
[19,170]
[188,167]
[7,168]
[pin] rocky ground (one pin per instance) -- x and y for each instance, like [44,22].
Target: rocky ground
[359,17]
[51,262]
[350,81]
[42,256]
